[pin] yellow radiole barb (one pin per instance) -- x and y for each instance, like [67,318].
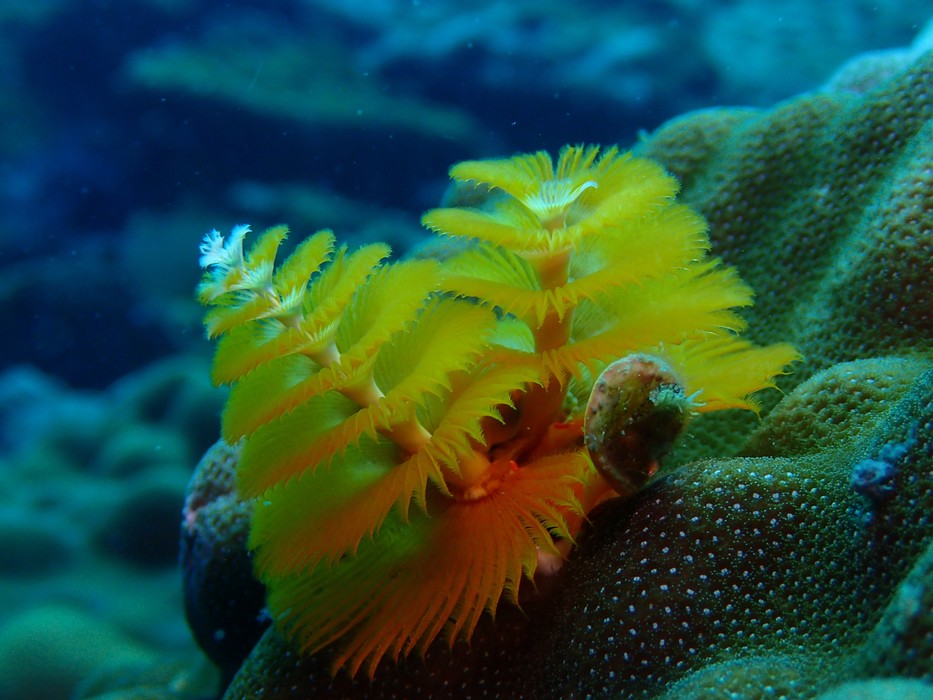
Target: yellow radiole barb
[413,432]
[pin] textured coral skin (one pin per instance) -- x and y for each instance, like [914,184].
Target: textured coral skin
[823,203]
[822,414]
[774,557]
[223,602]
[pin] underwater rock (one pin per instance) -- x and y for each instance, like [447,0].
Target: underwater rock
[140,529]
[90,494]
[32,548]
[175,393]
[223,602]
[46,651]
[188,679]
[139,449]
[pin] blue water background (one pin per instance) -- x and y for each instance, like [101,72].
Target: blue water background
[110,174]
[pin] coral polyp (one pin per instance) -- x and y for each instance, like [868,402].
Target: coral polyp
[413,432]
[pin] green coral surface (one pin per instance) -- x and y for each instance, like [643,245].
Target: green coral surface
[800,556]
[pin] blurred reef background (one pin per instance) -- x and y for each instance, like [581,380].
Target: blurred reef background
[132,127]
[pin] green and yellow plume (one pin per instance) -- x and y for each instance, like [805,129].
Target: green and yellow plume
[412,431]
